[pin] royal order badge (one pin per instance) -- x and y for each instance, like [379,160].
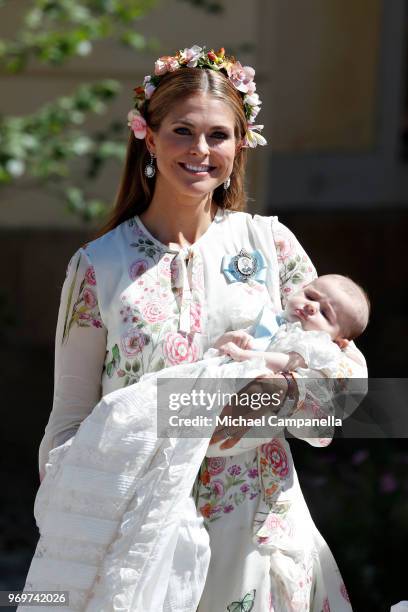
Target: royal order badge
[245,265]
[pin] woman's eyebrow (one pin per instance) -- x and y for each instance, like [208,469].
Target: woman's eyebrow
[189,124]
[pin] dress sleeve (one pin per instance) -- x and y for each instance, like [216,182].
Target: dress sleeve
[80,348]
[338,388]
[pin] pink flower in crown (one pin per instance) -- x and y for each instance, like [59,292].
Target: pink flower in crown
[89,298]
[154,311]
[277,458]
[216,465]
[137,123]
[166,63]
[190,56]
[148,87]
[137,268]
[90,276]
[242,77]
[284,246]
[133,341]
[179,349]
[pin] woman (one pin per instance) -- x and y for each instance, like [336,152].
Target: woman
[149,293]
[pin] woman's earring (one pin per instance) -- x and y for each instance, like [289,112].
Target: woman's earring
[150,168]
[227,183]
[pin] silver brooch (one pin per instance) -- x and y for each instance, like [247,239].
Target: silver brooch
[245,265]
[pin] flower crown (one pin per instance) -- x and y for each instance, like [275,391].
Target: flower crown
[242,78]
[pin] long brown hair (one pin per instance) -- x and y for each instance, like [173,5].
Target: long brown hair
[135,190]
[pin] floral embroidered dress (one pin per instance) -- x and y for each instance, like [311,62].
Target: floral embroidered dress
[129,306]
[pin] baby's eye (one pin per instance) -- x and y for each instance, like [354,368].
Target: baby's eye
[324,313]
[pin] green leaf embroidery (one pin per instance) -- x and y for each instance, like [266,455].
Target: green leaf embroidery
[116,354]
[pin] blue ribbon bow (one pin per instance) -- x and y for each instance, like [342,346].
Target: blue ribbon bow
[233,275]
[265,327]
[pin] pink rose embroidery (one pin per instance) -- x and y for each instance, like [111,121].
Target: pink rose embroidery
[284,246]
[133,341]
[179,349]
[90,276]
[275,454]
[89,298]
[137,268]
[217,487]
[216,465]
[154,311]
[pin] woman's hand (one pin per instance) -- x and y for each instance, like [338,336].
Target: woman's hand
[271,384]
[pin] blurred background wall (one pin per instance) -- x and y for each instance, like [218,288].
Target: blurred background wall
[334,83]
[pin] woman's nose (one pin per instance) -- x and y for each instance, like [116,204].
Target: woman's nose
[200,145]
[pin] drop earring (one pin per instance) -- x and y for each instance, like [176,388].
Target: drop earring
[227,183]
[150,168]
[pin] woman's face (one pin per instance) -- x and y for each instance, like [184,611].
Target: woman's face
[195,146]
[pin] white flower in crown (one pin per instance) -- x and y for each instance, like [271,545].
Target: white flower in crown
[148,87]
[190,56]
[252,138]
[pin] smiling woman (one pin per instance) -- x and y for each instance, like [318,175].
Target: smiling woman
[194,154]
[179,134]
[131,521]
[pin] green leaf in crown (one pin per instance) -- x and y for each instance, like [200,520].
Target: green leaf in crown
[245,605]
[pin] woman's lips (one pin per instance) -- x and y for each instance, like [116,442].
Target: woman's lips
[206,169]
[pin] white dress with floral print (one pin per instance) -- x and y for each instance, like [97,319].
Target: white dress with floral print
[130,305]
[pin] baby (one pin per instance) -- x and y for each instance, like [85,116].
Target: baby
[318,322]
[334,307]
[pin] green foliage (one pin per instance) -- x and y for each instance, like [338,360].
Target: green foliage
[45,145]
[210,6]
[55,30]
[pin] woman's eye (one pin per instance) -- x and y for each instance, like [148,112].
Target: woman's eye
[219,135]
[182,130]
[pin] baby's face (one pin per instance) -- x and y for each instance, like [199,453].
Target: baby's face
[322,306]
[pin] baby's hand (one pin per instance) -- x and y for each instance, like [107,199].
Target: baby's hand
[240,338]
[235,352]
